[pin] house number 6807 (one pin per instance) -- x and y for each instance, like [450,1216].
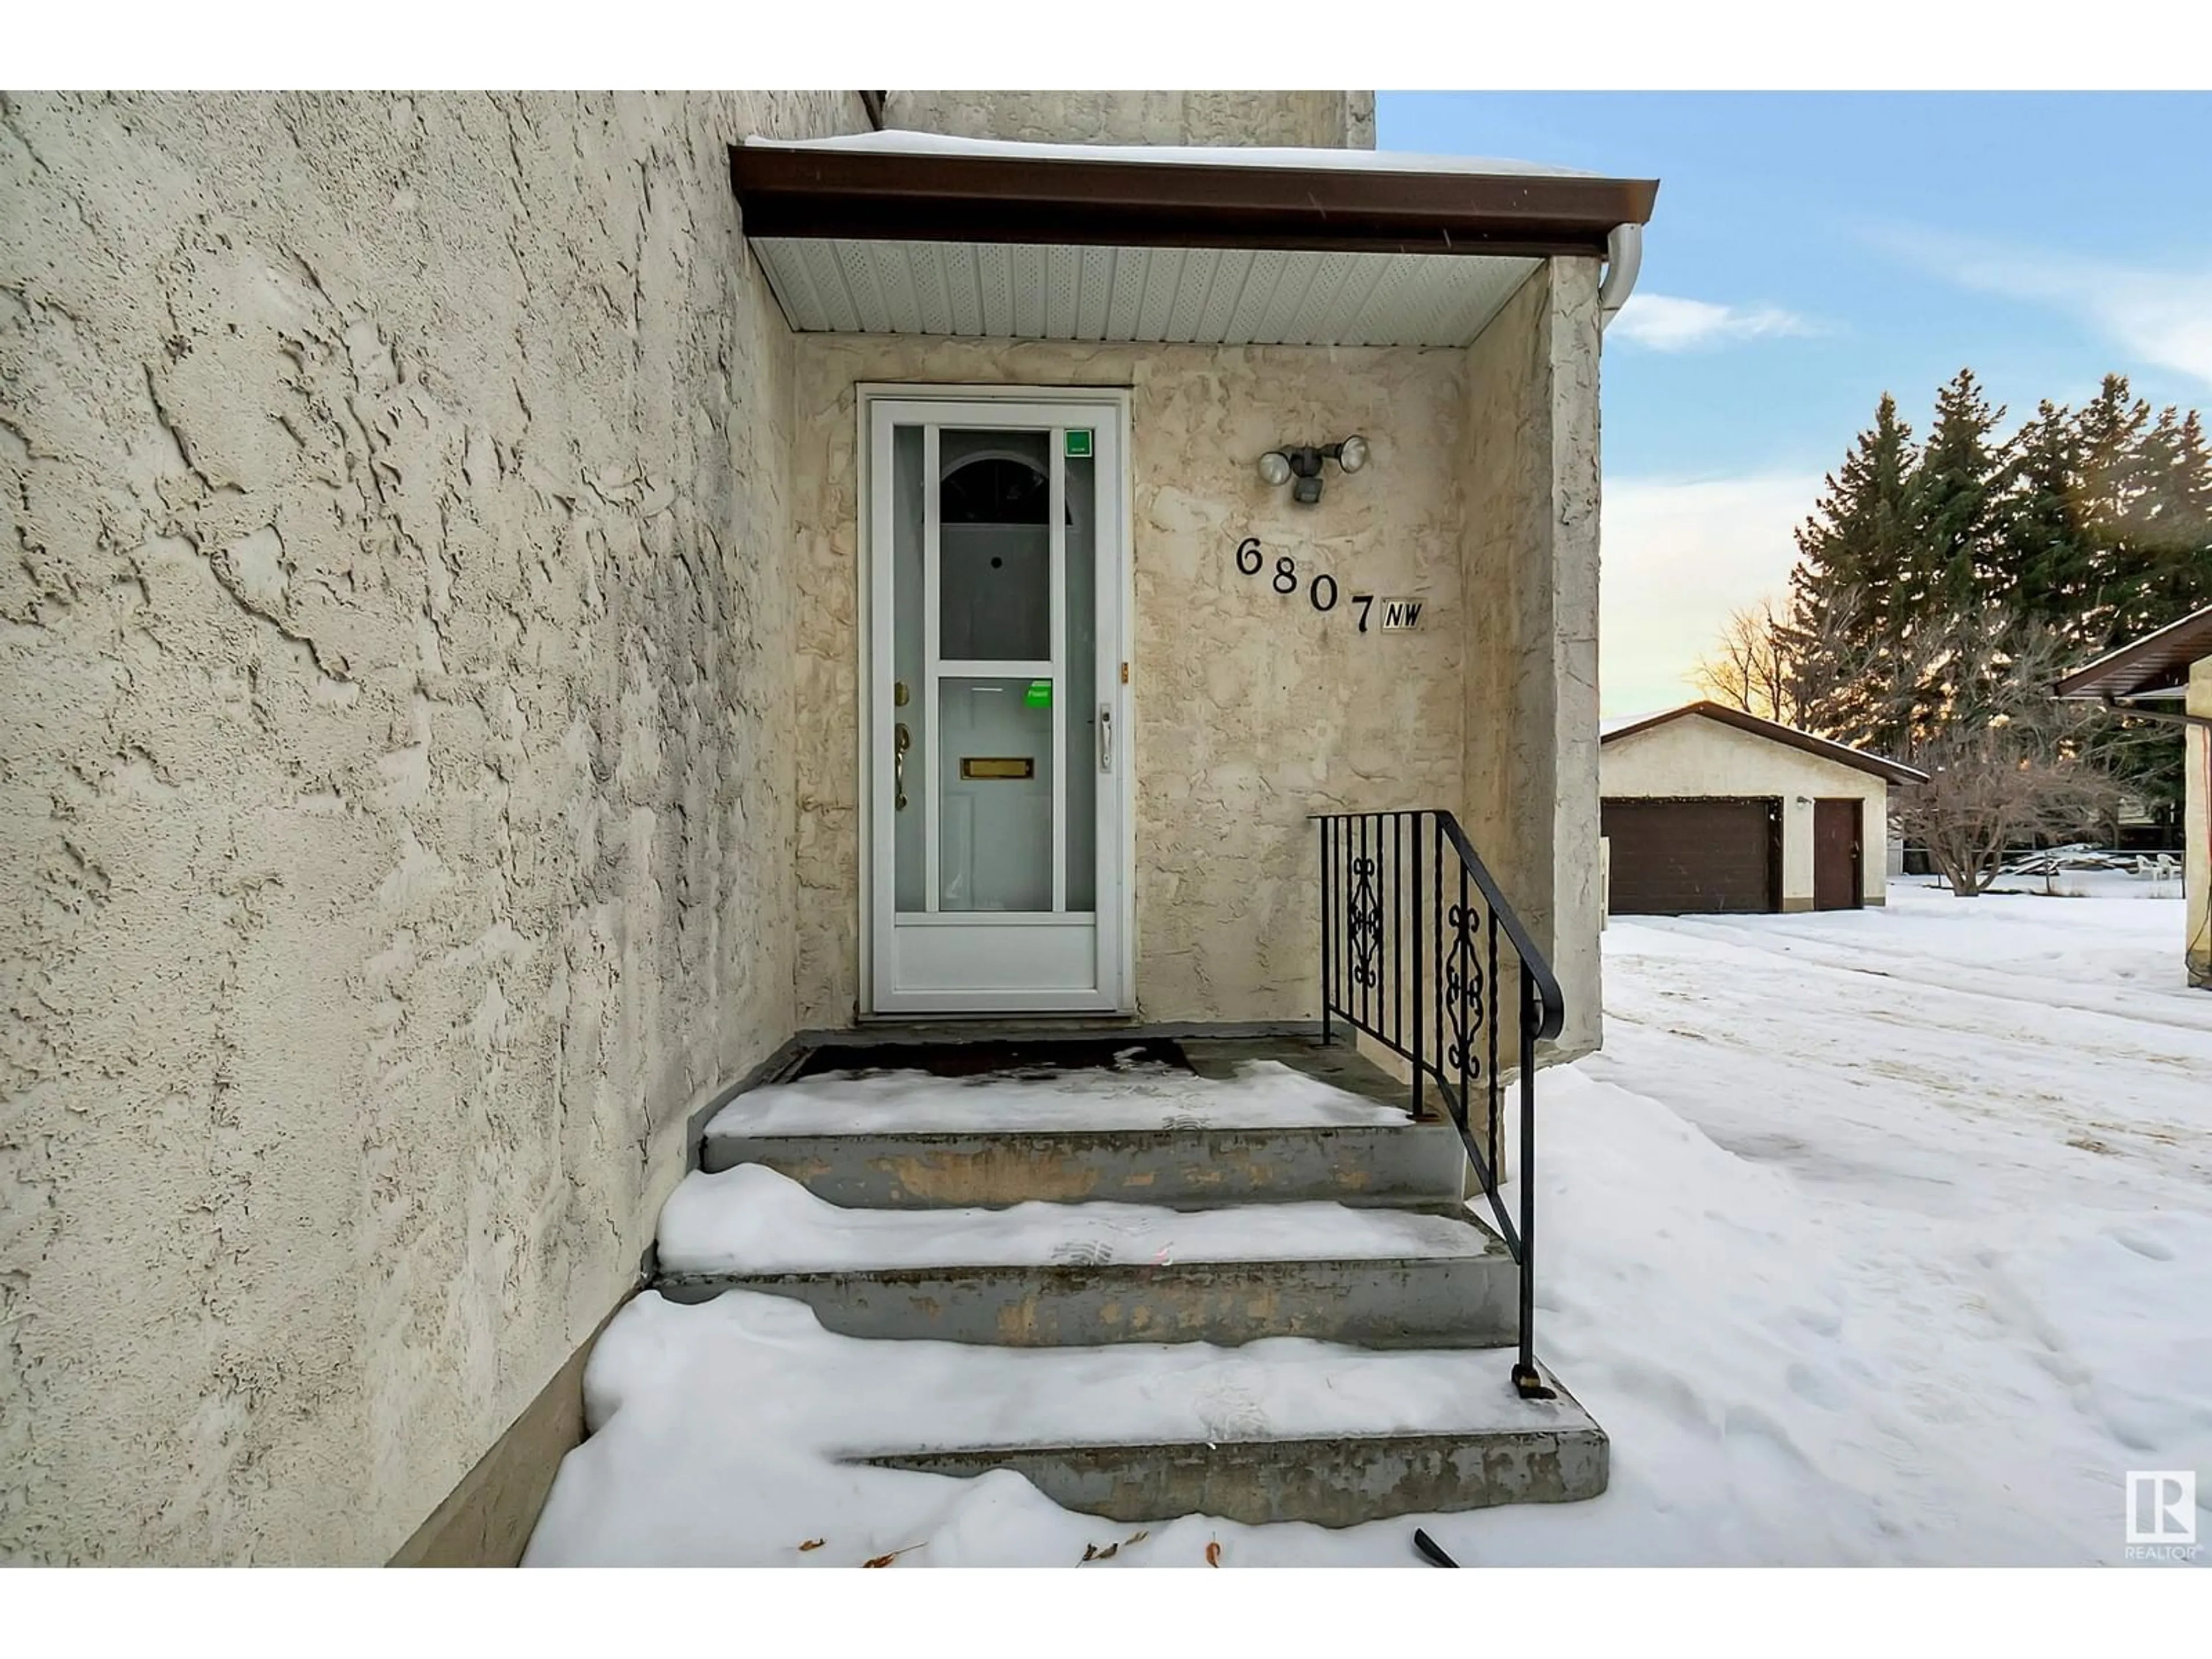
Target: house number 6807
[1285,580]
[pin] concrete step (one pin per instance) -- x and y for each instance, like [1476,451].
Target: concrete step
[1407,1164]
[1503,1449]
[1089,1283]
[1136,1432]
[1430,1302]
[1048,1275]
[1340,1481]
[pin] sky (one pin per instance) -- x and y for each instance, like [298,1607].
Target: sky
[1811,250]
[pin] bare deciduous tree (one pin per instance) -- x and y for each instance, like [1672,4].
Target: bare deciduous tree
[1990,791]
[2004,761]
[1748,667]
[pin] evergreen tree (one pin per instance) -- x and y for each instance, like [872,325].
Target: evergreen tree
[1937,585]
[2164,568]
[1949,505]
[2043,564]
[1840,634]
[1948,559]
[2152,552]
[2110,485]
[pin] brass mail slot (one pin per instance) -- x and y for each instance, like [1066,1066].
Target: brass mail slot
[989,766]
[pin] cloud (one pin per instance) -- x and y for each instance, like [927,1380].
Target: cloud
[1678,555]
[1664,323]
[2161,318]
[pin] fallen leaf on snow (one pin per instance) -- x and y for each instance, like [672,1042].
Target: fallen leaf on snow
[811,1544]
[885,1560]
[1213,1553]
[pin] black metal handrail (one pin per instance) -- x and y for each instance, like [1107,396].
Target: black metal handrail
[1410,926]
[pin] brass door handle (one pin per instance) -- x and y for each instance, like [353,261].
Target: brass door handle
[900,744]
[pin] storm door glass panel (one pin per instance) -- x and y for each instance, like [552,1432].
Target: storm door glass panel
[994,840]
[994,557]
[1083,697]
[912,708]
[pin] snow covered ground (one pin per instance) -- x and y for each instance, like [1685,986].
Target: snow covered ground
[1881,1237]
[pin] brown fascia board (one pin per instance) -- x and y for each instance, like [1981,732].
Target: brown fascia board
[872,196]
[2156,663]
[1788,736]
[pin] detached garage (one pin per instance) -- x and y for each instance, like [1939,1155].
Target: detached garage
[1709,811]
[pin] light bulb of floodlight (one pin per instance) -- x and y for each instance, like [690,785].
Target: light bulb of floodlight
[1352,454]
[1275,467]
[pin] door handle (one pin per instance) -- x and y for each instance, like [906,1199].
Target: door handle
[899,746]
[1105,737]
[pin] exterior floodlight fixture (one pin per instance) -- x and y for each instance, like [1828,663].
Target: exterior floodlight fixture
[1302,461]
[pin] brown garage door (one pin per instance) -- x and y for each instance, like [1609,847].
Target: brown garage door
[1692,857]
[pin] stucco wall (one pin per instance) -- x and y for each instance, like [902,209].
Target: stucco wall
[397,780]
[2198,828]
[1528,483]
[1324,120]
[1695,757]
[1250,709]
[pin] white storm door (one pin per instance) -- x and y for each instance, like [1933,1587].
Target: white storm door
[996,762]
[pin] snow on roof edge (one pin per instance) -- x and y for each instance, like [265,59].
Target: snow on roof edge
[900,143]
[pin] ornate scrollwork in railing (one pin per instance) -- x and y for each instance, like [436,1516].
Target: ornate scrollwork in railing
[1364,924]
[1411,924]
[1463,989]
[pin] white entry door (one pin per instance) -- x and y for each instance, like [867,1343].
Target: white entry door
[997,847]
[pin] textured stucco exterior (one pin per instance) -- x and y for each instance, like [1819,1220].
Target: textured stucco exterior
[397,780]
[1250,709]
[1528,485]
[429,688]
[1694,756]
[1323,120]
[2198,829]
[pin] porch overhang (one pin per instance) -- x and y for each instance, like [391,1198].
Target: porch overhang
[2155,667]
[903,233]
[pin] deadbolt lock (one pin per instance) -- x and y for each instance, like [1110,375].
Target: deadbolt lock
[898,693]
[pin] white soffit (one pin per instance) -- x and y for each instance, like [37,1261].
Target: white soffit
[1206,296]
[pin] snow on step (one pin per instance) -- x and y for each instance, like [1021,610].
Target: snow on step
[848,1397]
[749,1219]
[1263,1095]
[729,1432]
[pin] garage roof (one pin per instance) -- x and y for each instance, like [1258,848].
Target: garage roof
[1773,731]
[901,233]
[2155,665]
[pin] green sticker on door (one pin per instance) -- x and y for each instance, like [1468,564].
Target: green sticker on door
[1039,696]
[1078,443]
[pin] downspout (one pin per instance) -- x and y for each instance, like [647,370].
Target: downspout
[1623,257]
